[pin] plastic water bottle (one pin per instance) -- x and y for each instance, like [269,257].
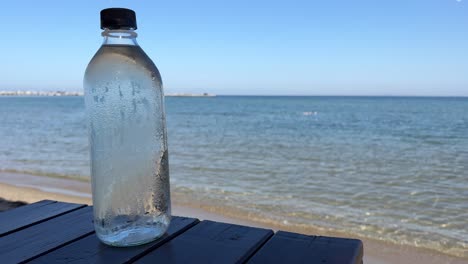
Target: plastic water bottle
[127,136]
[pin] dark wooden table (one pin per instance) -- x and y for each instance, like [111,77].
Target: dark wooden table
[57,232]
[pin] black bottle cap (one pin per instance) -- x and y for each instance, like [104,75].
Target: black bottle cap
[118,18]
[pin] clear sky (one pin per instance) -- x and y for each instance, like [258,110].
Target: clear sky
[294,47]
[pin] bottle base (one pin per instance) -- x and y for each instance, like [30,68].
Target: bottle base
[132,235]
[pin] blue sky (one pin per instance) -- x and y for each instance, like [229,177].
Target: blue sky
[333,47]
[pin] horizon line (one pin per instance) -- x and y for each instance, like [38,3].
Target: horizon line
[269,95]
[203,94]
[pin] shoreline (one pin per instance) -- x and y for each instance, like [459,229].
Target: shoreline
[31,188]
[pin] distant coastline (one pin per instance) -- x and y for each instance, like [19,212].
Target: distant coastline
[64,93]
[39,93]
[74,93]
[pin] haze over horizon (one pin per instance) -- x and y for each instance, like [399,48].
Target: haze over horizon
[363,47]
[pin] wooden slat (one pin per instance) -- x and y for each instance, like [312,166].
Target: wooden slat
[39,239]
[27,215]
[90,250]
[210,242]
[291,248]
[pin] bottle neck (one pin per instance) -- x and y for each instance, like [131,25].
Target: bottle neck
[119,37]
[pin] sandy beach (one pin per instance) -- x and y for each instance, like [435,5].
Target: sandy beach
[30,189]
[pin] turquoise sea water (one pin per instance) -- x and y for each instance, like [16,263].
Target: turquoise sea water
[391,168]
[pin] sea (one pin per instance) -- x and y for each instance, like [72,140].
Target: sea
[388,168]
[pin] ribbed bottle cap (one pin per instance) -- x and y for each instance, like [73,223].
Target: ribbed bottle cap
[118,18]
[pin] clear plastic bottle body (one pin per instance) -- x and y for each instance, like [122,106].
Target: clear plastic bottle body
[128,142]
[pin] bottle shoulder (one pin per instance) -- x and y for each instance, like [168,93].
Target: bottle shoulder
[119,60]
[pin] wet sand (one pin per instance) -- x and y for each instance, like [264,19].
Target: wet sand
[30,188]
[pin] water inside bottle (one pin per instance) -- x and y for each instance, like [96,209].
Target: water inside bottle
[129,157]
